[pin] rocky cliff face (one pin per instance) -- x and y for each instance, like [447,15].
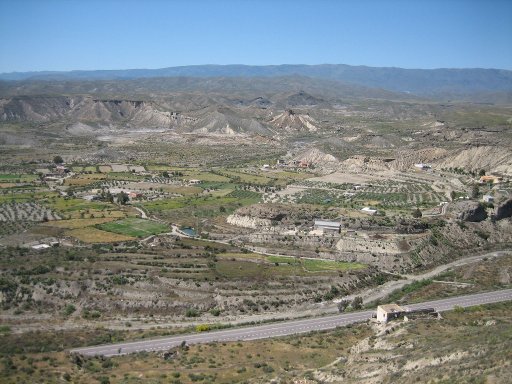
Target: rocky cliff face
[490,158]
[468,211]
[405,159]
[289,121]
[37,109]
[503,210]
[79,109]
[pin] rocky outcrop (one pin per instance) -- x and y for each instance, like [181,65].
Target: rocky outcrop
[468,211]
[377,244]
[79,109]
[503,210]
[316,157]
[493,159]
[282,214]
[39,109]
[247,221]
[224,121]
[289,121]
[363,164]
[265,211]
[405,159]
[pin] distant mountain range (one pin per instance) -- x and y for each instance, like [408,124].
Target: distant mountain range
[476,84]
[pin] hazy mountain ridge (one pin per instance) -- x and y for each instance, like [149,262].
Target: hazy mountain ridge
[247,89]
[438,83]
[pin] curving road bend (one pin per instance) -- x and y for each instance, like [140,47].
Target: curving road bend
[283,328]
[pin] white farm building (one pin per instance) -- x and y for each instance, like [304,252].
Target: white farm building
[327,226]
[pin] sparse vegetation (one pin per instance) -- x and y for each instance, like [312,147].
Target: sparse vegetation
[134,227]
[484,327]
[94,249]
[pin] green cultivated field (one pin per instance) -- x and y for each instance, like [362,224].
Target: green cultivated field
[94,235]
[134,227]
[23,178]
[240,265]
[325,265]
[311,265]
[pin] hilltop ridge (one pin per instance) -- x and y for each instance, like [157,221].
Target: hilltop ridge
[444,83]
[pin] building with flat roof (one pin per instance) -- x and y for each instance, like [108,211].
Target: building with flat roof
[328,226]
[491,179]
[369,211]
[388,312]
[488,198]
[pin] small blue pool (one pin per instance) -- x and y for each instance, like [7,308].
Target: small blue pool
[189,231]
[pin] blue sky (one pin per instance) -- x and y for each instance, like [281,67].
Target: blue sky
[121,34]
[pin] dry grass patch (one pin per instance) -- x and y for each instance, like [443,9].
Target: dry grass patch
[239,255]
[84,179]
[221,192]
[206,176]
[289,176]
[327,265]
[105,168]
[135,227]
[94,235]
[182,190]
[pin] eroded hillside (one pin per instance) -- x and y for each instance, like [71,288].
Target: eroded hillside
[137,208]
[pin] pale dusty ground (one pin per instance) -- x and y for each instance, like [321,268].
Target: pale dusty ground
[343,177]
[291,190]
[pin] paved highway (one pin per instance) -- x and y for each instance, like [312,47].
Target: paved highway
[283,328]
